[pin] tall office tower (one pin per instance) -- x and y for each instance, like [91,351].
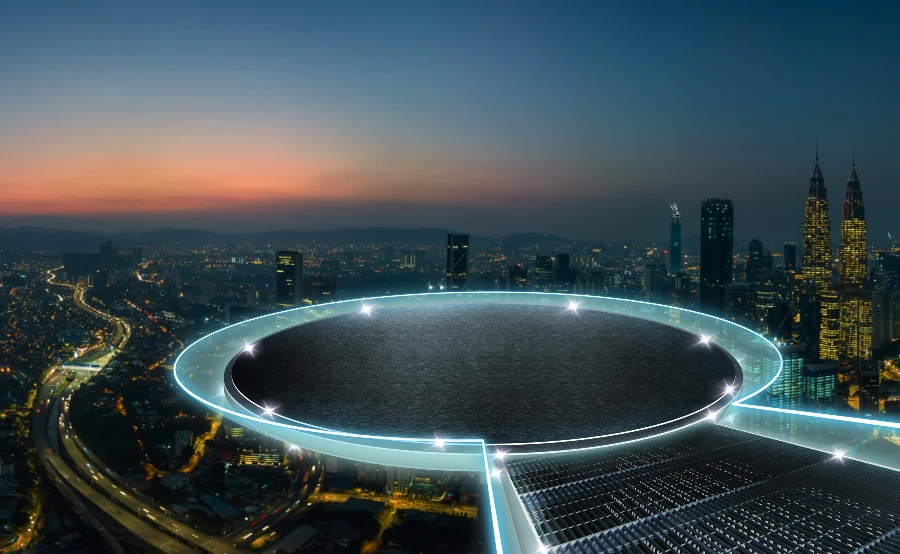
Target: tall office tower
[81,267]
[829,323]
[886,298]
[810,319]
[563,274]
[288,279]
[817,266]
[716,252]
[457,261]
[853,255]
[543,272]
[885,317]
[755,263]
[856,298]
[675,241]
[788,390]
[817,232]
[108,255]
[790,256]
[517,278]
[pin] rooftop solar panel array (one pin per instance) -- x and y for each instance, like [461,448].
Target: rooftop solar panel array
[709,490]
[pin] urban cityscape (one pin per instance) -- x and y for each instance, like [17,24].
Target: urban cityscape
[137,290]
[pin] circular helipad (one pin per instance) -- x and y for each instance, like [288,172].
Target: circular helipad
[516,375]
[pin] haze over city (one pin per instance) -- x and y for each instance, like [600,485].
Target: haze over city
[585,121]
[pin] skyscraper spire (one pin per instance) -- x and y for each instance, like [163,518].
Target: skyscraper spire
[817,264]
[856,302]
[817,231]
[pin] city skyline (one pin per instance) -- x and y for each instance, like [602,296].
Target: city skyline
[562,122]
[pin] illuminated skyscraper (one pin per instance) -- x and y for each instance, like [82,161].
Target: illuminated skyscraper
[817,232]
[788,390]
[675,242]
[716,252]
[543,272]
[288,279]
[457,261]
[817,265]
[829,323]
[856,299]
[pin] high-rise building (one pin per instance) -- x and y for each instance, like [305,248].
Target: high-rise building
[790,256]
[817,264]
[543,272]
[288,279]
[716,252]
[788,390]
[517,278]
[817,232]
[457,261]
[886,298]
[829,323]
[563,275]
[853,255]
[819,377]
[675,241]
[856,298]
[656,283]
[81,267]
[755,260]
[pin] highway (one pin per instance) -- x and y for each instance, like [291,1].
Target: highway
[278,518]
[46,430]
[126,499]
[51,424]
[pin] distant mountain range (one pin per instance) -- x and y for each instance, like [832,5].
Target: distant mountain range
[56,240]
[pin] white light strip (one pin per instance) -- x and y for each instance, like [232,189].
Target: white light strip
[833,417]
[704,408]
[487,474]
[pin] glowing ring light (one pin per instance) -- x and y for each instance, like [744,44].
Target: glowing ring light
[202,371]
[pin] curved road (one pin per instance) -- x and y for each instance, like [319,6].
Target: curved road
[146,522]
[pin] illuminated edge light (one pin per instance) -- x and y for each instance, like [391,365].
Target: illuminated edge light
[542,548]
[708,408]
[324,430]
[495,523]
[331,432]
[832,417]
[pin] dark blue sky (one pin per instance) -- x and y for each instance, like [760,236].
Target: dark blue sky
[583,119]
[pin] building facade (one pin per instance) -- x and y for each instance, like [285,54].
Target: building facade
[457,261]
[675,241]
[856,298]
[716,252]
[288,279]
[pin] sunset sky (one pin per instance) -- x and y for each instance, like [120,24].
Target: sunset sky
[582,119]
